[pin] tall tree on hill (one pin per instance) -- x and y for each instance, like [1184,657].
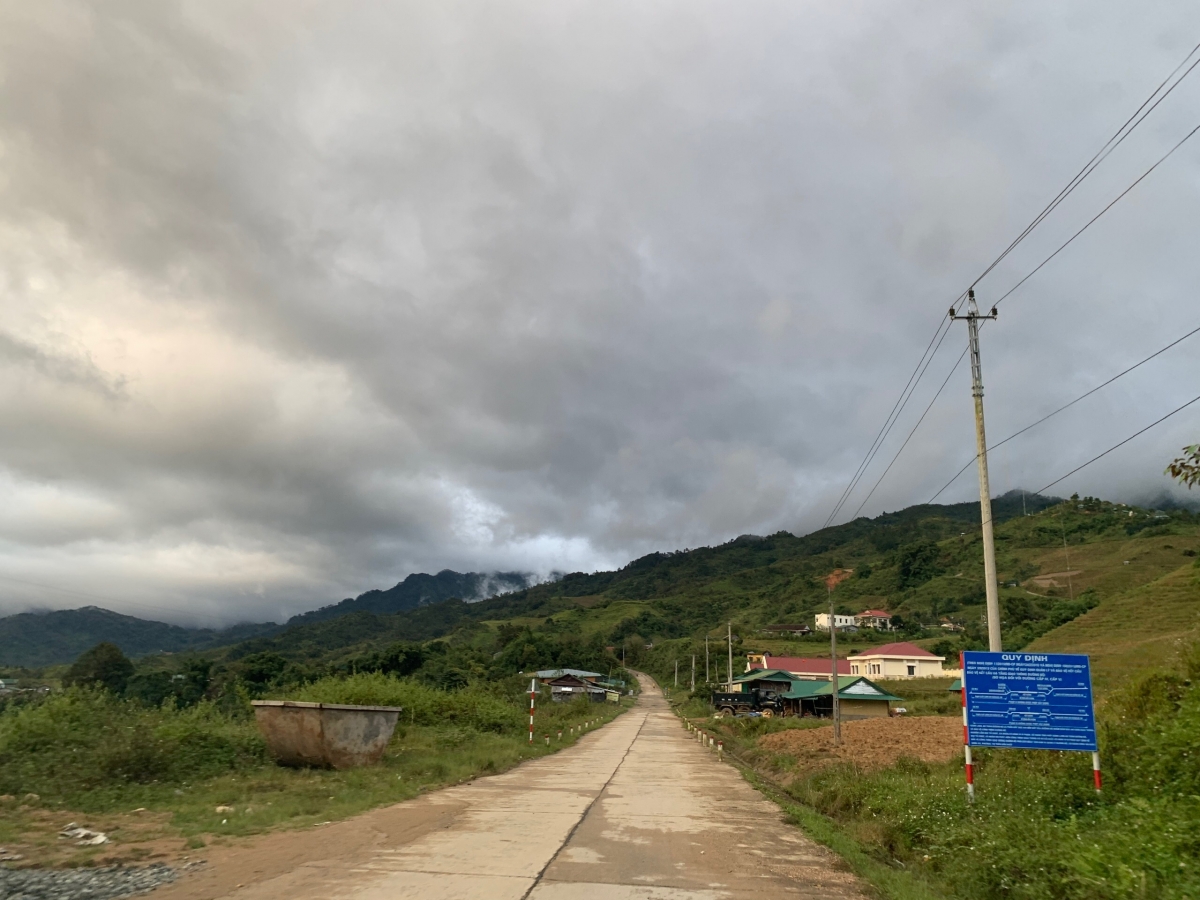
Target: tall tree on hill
[103,666]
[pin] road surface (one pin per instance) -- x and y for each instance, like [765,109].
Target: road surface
[634,811]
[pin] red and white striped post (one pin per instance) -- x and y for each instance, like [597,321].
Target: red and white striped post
[970,768]
[532,695]
[1096,769]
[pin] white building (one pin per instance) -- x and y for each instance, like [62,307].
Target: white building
[839,622]
[901,660]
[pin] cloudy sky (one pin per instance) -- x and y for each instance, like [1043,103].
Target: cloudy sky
[297,298]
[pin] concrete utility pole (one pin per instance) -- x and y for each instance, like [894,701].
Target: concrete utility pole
[729,641]
[985,491]
[693,672]
[833,681]
[707,679]
[676,673]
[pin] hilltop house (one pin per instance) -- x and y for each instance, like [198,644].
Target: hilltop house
[875,618]
[899,660]
[870,618]
[840,622]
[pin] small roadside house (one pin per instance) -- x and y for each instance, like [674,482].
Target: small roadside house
[568,687]
[547,675]
[858,698]
[764,680]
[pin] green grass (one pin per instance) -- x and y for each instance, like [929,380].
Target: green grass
[1038,830]
[892,882]
[1142,629]
[87,752]
[925,696]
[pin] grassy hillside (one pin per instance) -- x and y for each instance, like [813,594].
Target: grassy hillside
[1146,628]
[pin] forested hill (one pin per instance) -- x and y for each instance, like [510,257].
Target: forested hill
[420,589]
[34,640]
[921,561]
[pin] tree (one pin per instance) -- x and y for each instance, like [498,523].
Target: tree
[1186,469]
[917,563]
[103,666]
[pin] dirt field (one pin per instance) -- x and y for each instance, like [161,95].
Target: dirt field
[872,743]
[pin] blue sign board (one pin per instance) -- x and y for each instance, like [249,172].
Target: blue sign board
[1037,701]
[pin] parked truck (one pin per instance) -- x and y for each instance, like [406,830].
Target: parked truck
[732,704]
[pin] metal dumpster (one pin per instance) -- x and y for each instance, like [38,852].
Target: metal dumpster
[325,734]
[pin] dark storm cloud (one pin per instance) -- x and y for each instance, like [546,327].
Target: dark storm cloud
[302,297]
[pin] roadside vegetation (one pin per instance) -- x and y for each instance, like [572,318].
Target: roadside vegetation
[190,761]
[1038,830]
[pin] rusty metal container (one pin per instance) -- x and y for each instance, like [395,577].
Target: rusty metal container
[325,734]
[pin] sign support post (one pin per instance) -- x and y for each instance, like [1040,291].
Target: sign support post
[1031,701]
[969,766]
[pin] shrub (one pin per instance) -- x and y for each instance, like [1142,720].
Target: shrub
[85,740]
[473,706]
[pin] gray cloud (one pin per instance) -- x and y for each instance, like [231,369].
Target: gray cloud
[299,298]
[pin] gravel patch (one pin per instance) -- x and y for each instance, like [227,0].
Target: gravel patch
[103,883]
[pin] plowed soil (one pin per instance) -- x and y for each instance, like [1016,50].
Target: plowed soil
[871,743]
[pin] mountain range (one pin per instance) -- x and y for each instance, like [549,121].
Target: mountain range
[36,639]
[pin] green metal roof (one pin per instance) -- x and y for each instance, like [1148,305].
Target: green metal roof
[847,690]
[957,686]
[765,675]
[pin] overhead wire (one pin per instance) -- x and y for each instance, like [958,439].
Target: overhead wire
[1139,115]
[885,429]
[1093,219]
[949,374]
[1109,146]
[1120,444]
[1065,406]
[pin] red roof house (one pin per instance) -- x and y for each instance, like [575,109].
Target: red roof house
[808,668]
[898,660]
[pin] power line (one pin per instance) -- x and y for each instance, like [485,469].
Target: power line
[1090,222]
[1139,115]
[1102,154]
[1121,444]
[897,409]
[953,369]
[1063,407]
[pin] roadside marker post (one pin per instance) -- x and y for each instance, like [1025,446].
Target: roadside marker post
[532,695]
[1029,701]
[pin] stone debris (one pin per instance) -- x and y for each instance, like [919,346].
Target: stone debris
[224,809]
[5,856]
[105,883]
[83,836]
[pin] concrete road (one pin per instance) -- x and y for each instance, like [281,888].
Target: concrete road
[635,810]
